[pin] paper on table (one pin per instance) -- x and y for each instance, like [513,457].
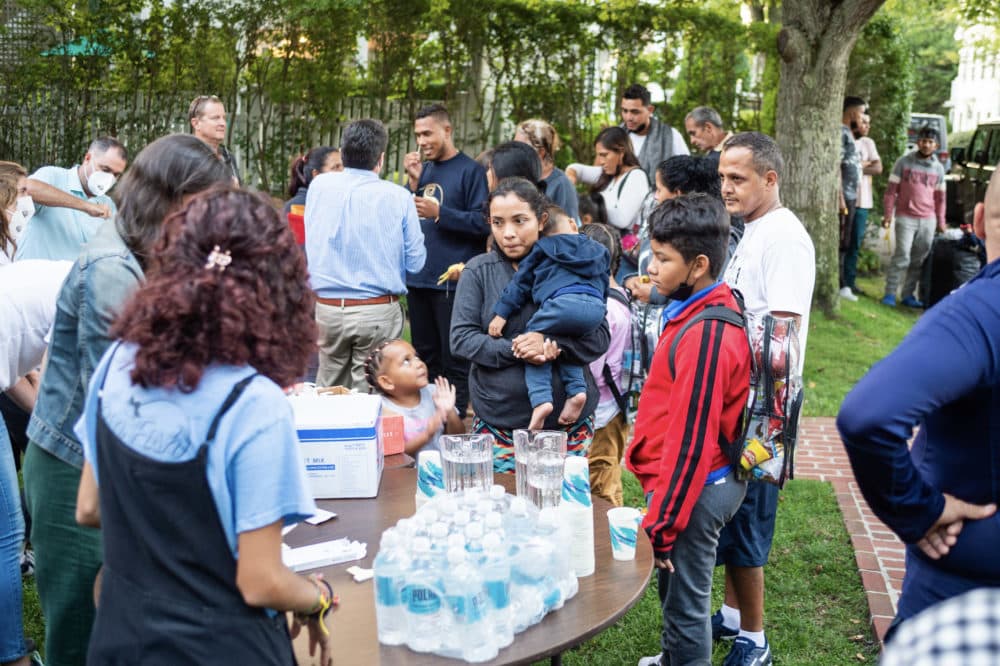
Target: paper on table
[321,517]
[324,554]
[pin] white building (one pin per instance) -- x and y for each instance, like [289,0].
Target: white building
[975,92]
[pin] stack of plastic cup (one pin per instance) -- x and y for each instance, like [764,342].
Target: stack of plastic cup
[430,477]
[578,513]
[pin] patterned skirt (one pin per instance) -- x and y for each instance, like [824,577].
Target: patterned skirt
[578,438]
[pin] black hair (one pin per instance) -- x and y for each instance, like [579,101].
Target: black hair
[515,159]
[851,102]
[363,143]
[610,238]
[103,144]
[766,154]
[164,172]
[592,204]
[438,112]
[304,165]
[555,212]
[523,190]
[693,224]
[373,363]
[636,91]
[928,132]
[616,140]
[690,173]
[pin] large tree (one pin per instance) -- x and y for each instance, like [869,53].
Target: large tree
[815,44]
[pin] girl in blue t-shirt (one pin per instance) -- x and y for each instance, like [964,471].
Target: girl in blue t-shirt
[192,460]
[394,370]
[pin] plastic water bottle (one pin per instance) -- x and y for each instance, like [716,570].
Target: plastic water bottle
[498,495]
[439,541]
[474,542]
[496,578]
[467,600]
[529,588]
[518,521]
[494,524]
[426,612]
[483,507]
[391,565]
[459,521]
[551,527]
[456,541]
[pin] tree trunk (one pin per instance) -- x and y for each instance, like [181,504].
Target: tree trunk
[815,44]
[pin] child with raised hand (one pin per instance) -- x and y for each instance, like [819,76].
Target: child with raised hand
[566,274]
[394,370]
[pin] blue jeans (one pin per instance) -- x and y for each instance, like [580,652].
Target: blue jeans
[854,248]
[12,644]
[569,314]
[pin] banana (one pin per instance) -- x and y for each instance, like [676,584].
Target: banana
[451,273]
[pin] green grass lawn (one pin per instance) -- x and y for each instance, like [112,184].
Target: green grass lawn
[816,612]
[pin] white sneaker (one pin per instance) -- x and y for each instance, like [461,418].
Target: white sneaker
[847,294]
[651,661]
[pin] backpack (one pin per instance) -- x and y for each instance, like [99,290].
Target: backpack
[764,446]
[644,332]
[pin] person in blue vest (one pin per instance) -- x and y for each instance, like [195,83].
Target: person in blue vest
[449,191]
[939,496]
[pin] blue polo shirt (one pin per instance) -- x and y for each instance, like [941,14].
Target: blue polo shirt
[55,232]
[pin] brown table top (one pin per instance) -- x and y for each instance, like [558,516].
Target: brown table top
[603,597]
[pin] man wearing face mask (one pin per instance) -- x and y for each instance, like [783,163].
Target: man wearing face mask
[70,204]
[362,237]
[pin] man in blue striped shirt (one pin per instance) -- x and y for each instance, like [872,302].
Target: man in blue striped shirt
[362,237]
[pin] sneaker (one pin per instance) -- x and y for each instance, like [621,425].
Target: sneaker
[856,290]
[651,661]
[847,294]
[720,632]
[27,562]
[746,653]
[911,302]
[889,300]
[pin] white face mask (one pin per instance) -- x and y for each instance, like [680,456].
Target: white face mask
[19,217]
[99,182]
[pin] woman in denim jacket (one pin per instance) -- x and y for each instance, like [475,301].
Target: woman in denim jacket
[108,270]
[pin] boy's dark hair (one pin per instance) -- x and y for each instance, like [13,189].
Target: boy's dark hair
[851,101]
[438,112]
[636,91]
[515,159]
[766,154]
[928,132]
[363,143]
[556,214]
[302,167]
[690,173]
[609,237]
[592,203]
[693,224]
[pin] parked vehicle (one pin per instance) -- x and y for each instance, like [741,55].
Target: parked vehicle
[920,120]
[973,167]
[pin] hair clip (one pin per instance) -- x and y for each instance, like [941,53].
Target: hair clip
[218,259]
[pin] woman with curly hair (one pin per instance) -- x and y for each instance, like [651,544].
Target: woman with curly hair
[109,269]
[192,461]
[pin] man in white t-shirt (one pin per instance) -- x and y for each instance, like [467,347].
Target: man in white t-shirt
[774,267]
[871,165]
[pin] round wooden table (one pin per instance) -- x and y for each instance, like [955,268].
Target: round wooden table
[603,597]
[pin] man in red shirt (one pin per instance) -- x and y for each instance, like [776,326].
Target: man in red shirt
[690,484]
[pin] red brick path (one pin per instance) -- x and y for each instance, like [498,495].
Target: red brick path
[878,552]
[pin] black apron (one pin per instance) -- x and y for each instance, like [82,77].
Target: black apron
[168,592]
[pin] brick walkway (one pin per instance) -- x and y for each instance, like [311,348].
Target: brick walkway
[878,552]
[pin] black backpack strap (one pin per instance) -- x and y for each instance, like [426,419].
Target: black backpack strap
[619,296]
[230,400]
[621,185]
[615,393]
[716,312]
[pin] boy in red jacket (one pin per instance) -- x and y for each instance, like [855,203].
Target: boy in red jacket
[691,488]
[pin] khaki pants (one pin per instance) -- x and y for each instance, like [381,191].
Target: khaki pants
[346,336]
[605,456]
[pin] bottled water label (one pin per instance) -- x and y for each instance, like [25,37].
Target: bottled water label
[421,600]
[499,593]
[386,591]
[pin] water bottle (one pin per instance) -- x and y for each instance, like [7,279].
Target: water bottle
[517,522]
[459,521]
[456,541]
[474,542]
[494,524]
[498,495]
[552,527]
[423,597]
[391,565]
[496,577]
[483,507]
[467,601]
[446,507]
[529,588]
[439,539]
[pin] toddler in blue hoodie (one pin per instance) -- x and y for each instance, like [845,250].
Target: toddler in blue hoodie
[566,275]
